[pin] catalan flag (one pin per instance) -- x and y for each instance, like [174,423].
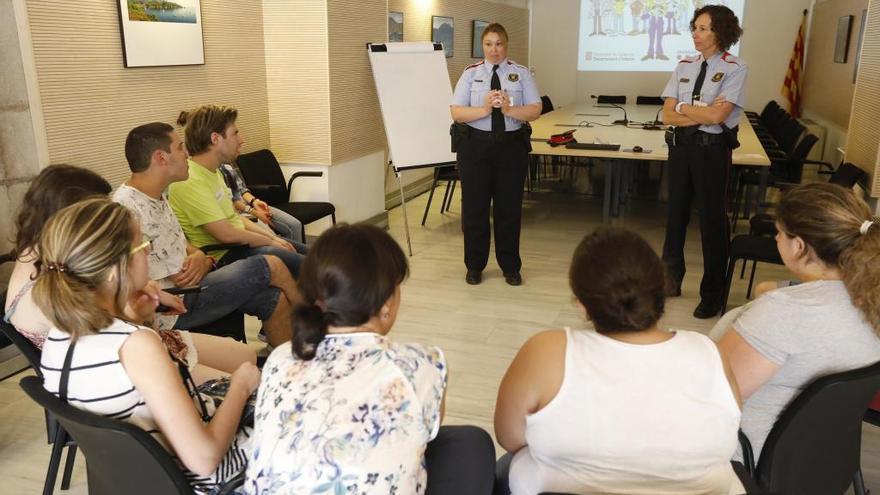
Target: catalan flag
[791,88]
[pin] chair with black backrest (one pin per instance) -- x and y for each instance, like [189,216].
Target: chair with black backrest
[55,434]
[749,247]
[445,174]
[120,457]
[262,173]
[546,105]
[814,447]
[649,100]
[611,99]
[788,170]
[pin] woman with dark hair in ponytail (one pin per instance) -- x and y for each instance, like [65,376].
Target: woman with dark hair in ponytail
[829,323]
[342,408]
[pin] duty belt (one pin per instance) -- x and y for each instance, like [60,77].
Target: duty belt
[491,136]
[684,136]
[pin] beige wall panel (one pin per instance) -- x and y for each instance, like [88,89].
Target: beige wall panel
[355,117]
[417,27]
[298,79]
[90,101]
[821,74]
[864,128]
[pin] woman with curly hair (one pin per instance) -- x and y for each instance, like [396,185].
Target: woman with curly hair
[790,336]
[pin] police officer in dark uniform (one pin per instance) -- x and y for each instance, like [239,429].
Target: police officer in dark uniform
[704,102]
[493,99]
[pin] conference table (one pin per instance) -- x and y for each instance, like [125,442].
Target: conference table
[593,124]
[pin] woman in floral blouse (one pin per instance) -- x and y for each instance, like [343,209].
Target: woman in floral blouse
[342,408]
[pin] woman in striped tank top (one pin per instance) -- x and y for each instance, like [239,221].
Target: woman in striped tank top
[91,259]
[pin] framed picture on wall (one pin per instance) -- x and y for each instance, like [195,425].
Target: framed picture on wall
[841,44]
[477,40]
[859,44]
[395,26]
[161,32]
[443,31]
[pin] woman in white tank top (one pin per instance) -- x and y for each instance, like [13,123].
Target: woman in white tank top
[628,408]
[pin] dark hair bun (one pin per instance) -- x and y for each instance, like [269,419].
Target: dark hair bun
[619,279]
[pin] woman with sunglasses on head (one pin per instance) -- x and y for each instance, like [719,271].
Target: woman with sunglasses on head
[91,260]
[56,187]
[788,337]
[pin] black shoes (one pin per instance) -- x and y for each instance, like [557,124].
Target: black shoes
[474,277]
[708,308]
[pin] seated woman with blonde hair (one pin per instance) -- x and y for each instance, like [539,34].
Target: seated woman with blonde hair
[91,260]
[829,323]
[627,408]
[56,187]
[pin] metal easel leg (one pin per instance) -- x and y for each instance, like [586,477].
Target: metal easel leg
[403,207]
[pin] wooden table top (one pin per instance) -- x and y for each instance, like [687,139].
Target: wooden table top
[577,115]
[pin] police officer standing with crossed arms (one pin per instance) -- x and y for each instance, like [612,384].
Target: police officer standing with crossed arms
[493,100]
[703,101]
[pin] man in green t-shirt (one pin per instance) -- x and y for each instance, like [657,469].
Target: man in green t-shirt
[203,203]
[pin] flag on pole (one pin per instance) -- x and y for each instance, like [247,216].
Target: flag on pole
[791,88]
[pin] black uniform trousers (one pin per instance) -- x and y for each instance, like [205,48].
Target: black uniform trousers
[492,172]
[699,172]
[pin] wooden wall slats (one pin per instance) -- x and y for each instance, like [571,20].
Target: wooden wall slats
[91,101]
[864,127]
[298,79]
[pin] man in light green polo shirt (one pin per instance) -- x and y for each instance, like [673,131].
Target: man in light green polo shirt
[203,203]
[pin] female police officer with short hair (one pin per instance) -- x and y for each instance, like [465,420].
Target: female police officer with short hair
[704,101]
[492,101]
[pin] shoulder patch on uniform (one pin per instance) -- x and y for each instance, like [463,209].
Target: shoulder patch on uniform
[511,62]
[717,77]
[727,57]
[513,77]
[474,65]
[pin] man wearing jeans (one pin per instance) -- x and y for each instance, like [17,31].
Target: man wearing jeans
[203,203]
[259,285]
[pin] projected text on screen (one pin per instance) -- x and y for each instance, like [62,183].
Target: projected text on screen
[640,35]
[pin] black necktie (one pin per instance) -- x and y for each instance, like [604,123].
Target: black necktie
[699,84]
[497,116]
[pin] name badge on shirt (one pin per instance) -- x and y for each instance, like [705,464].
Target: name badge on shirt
[478,80]
[717,77]
[684,80]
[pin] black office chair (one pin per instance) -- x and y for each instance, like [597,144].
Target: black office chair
[611,99]
[120,457]
[55,434]
[442,174]
[546,105]
[755,248]
[649,100]
[815,446]
[262,173]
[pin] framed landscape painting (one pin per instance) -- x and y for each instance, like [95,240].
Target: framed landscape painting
[395,26]
[443,31]
[161,32]
[477,40]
